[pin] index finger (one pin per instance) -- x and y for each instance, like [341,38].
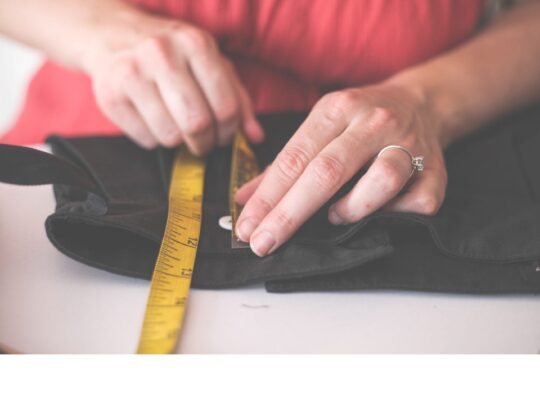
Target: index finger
[319,128]
[335,165]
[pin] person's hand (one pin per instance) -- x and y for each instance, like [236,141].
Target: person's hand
[343,133]
[166,82]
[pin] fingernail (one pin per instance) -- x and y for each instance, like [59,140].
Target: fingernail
[263,243]
[334,218]
[245,228]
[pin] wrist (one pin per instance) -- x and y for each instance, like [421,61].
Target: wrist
[119,30]
[124,28]
[445,117]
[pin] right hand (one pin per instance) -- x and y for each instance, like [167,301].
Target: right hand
[166,82]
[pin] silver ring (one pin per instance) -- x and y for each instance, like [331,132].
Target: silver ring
[417,162]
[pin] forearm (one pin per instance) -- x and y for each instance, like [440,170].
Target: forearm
[65,29]
[492,74]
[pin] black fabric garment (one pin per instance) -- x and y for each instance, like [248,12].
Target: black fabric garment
[112,204]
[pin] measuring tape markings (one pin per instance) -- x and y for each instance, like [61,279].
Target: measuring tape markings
[171,279]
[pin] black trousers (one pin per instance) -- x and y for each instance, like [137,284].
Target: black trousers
[112,205]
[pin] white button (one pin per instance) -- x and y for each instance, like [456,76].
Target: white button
[226,222]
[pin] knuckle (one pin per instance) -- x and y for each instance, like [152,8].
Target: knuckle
[260,204]
[343,99]
[197,40]
[291,162]
[428,204]
[381,119]
[127,70]
[197,126]
[156,49]
[388,178]
[228,112]
[284,220]
[336,105]
[328,171]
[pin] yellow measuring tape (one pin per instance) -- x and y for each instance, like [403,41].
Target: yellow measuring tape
[171,279]
[244,168]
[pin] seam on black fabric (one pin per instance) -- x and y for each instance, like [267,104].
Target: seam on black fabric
[379,251]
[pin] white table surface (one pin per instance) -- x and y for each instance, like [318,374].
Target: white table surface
[52,304]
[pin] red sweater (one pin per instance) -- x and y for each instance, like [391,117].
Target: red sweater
[287,52]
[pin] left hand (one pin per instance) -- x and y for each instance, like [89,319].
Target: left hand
[345,131]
